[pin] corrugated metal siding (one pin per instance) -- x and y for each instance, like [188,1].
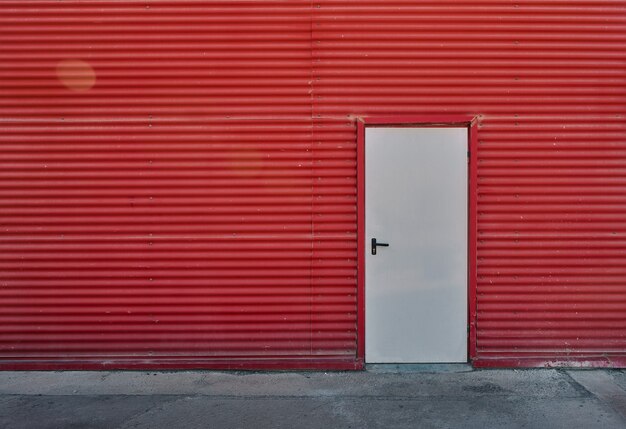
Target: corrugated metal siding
[166,209]
[547,80]
[178,177]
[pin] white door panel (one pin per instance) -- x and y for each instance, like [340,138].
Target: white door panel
[416,289]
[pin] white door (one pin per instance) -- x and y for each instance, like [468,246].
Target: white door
[416,202]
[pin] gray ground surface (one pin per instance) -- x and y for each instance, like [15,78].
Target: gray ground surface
[430,397]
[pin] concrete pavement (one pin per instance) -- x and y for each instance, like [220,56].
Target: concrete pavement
[384,397]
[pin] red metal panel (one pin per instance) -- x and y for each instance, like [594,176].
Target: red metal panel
[546,80]
[156,190]
[179,177]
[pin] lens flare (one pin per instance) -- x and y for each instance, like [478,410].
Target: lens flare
[76,75]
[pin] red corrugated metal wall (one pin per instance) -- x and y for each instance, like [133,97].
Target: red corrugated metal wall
[178,177]
[547,81]
[157,190]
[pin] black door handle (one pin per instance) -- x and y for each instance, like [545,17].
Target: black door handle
[375,243]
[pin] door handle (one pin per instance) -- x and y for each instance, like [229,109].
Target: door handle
[375,243]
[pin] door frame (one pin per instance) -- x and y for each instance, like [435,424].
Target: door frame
[405,121]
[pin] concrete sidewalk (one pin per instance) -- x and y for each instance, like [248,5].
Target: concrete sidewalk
[431,397]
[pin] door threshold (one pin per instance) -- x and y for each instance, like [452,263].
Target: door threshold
[387,368]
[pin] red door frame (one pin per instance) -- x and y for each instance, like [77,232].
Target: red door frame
[468,121]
